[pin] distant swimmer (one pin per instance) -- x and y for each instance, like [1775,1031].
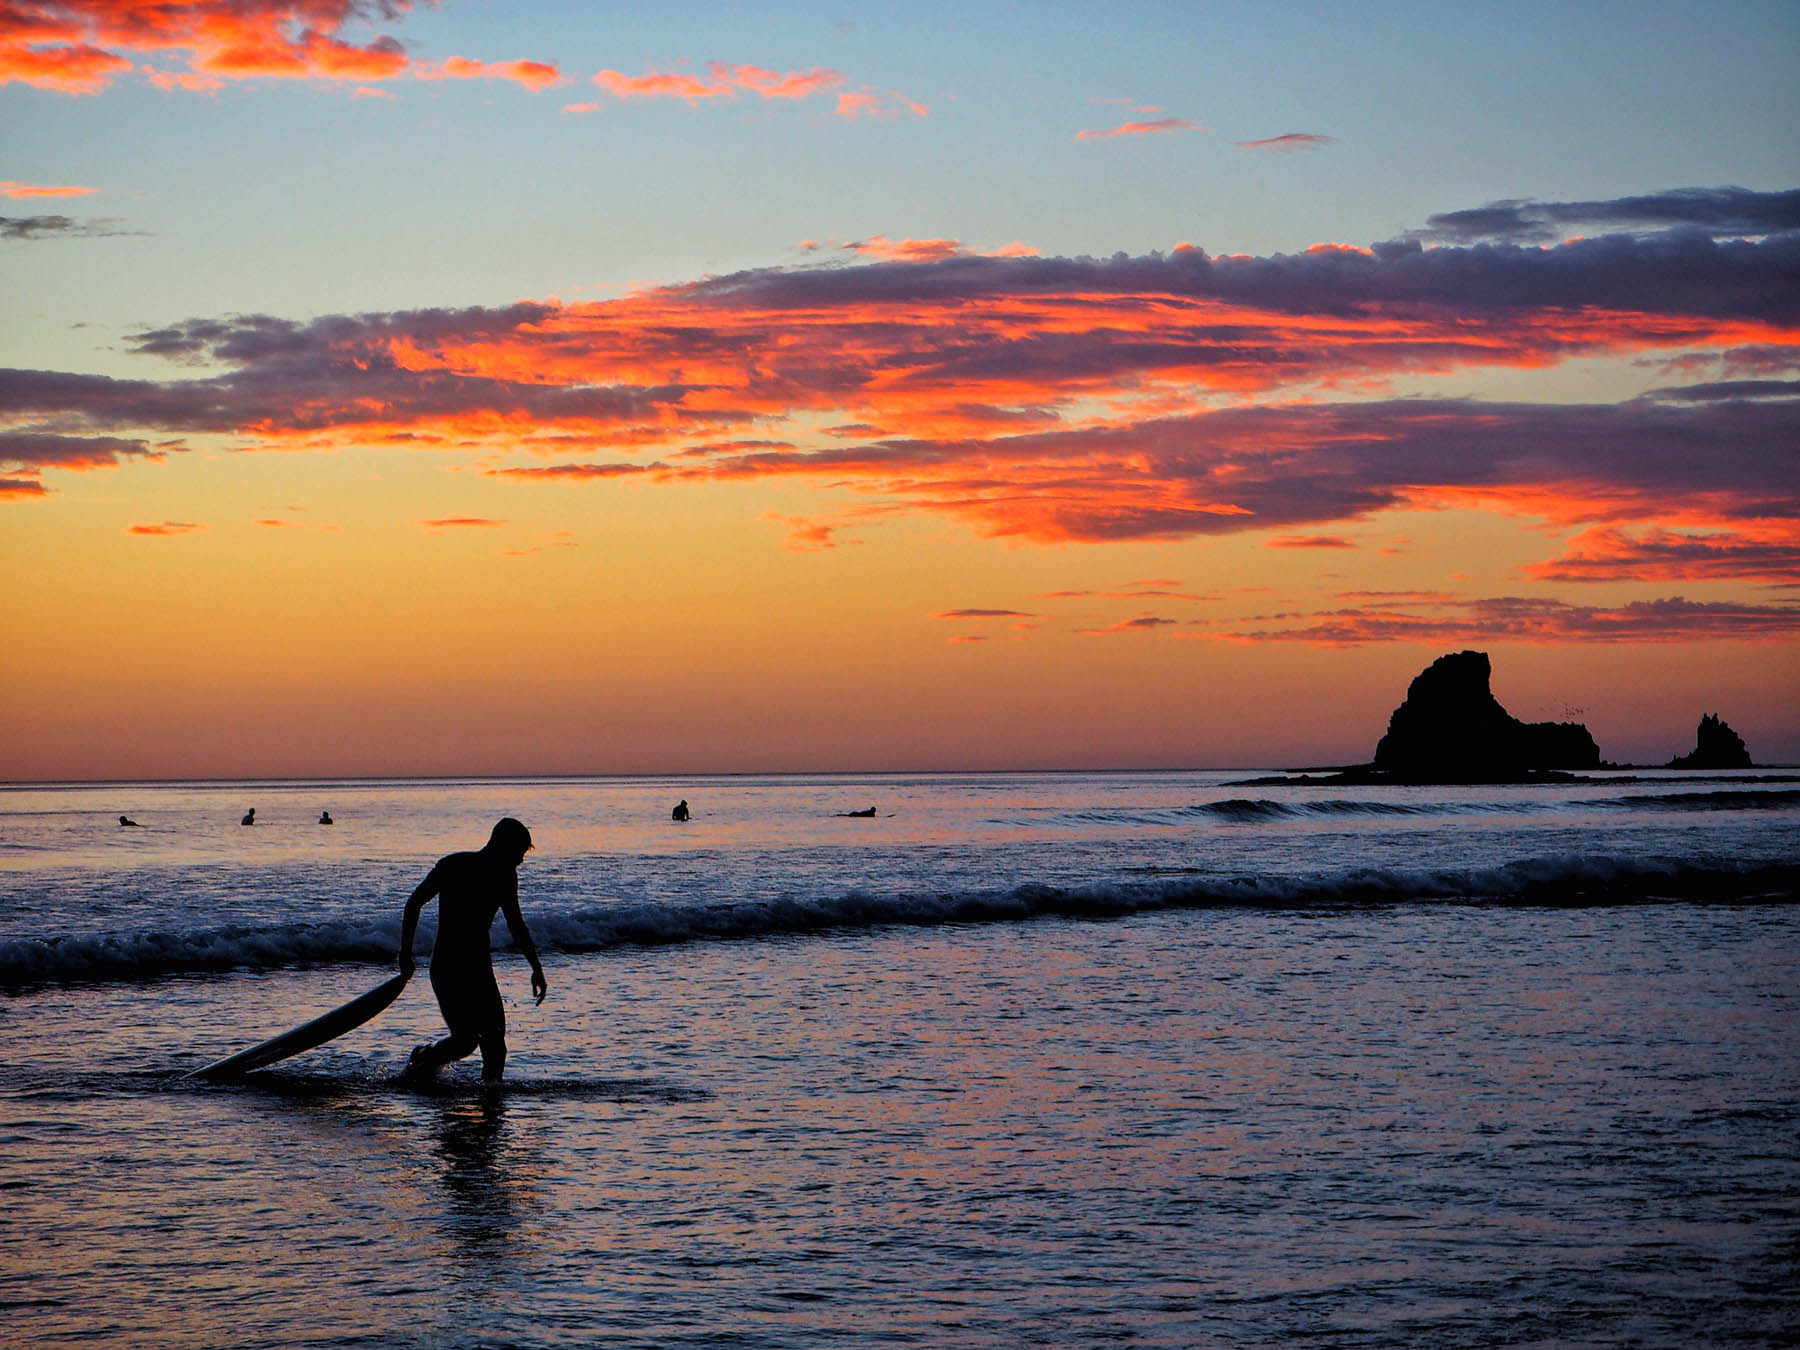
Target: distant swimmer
[127,820]
[471,888]
[861,814]
[325,818]
[680,812]
[249,817]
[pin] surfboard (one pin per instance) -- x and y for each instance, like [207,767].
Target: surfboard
[327,1026]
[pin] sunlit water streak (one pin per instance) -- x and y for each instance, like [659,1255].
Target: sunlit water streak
[1446,1067]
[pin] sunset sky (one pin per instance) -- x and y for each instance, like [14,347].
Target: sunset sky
[482,388]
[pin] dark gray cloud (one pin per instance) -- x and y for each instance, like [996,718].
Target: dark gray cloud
[59,227]
[1720,390]
[1723,211]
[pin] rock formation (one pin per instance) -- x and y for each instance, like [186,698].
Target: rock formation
[1716,746]
[1452,729]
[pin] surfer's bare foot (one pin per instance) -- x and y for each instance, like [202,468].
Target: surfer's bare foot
[417,1066]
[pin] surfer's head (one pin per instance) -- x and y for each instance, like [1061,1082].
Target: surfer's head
[510,838]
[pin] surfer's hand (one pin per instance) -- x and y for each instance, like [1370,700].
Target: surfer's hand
[538,986]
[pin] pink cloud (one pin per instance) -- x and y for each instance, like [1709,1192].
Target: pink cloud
[166,527]
[462,523]
[1160,126]
[726,81]
[776,84]
[983,614]
[878,103]
[1308,541]
[663,84]
[906,250]
[1605,553]
[1282,145]
[1143,623]
[533,75]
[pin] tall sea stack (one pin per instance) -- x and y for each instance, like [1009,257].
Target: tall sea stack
[1716,746]
[1451,728]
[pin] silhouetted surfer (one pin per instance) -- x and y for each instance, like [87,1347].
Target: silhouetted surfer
[680,812]
[249,817]
[325,818]
[864,814]
[127,820]
[471,888]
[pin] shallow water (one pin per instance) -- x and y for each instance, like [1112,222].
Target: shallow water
[1414,1120]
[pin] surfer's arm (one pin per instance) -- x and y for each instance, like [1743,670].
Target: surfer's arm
[515,923]
[409,925]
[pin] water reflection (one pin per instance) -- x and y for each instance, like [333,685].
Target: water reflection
[487,1188]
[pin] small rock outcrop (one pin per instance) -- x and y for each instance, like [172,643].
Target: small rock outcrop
[1716,746]
[1451,728]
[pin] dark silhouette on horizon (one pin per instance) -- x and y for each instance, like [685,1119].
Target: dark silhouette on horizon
[249,817]
[127,820]
[325,818]
[471,888]
[681,810]
[1451,728]
[1716,746]
[865,814]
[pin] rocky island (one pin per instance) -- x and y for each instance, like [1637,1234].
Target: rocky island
[1451,729]
[1716,746]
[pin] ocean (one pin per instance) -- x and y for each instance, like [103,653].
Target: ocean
[1162,1059]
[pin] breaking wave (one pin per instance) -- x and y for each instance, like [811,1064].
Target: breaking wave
[1253,810]
[1751,800]
[1565,881]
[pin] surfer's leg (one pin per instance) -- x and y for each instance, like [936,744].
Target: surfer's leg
[493,1055]
[463,1020]
[429,1058]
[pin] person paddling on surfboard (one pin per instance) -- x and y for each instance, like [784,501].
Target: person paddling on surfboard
[471,888]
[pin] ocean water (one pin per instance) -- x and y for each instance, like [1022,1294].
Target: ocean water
[1163,1059]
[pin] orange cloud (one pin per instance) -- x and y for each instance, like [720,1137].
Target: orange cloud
[1051,400]
[16,189]
[80,46]
[166,527]
[1160,126]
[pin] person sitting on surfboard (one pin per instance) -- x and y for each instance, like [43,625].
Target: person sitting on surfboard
[249,817]
[681,810]
[471,888]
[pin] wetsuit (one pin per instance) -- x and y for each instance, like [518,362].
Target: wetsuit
[471,889]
